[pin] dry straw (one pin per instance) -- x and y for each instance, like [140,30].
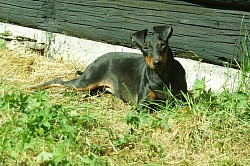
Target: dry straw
[30,69]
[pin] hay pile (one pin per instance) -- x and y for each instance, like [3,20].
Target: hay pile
[29,69]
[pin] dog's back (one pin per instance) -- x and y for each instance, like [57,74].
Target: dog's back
[120,73]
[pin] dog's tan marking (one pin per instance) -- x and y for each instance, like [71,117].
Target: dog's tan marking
[46,87]
[152,95]
[102,84]
[149,61]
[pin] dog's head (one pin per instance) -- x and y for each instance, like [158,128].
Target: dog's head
[154,46]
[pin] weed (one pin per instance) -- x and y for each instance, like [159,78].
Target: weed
[133,119]
[34,119]
[5,33]
[245,59]
[2,44]
[93,159]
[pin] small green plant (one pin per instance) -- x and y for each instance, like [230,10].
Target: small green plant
[5,33]
[245,59]
[2,44]
[93,159]
[133,119]
[34,119]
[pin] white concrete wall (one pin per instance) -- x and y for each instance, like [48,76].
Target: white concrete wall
[87,51]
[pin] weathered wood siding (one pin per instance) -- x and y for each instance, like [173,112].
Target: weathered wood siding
[213,34]
[242,5]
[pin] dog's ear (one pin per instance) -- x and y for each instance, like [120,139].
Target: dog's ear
[139,37]
[164,31]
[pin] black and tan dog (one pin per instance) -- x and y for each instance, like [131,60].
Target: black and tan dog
[133,77]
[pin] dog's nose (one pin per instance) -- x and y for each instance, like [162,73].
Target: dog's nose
[157,63]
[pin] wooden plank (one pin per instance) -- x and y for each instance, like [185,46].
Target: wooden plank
[20,12]
[243,5]
[210,33]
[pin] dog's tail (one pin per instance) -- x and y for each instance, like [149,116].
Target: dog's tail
[74,84]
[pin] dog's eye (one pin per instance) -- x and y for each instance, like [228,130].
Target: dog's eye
[161,47]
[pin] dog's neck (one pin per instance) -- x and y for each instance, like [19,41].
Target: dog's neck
[154,81]
[164,74]
[161,77]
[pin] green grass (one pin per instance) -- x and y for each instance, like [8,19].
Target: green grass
[67,129]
